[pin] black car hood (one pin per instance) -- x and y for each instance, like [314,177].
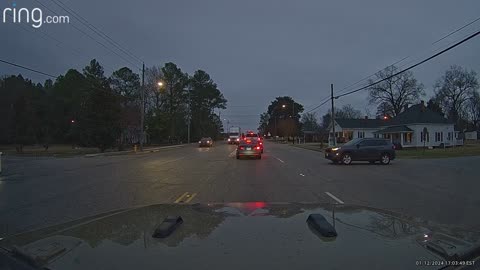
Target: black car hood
[240,236]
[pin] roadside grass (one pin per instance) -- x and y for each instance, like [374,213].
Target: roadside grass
[469,149]
[312,146]
[58,150]
[64,150]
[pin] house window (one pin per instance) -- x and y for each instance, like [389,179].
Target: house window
[449,136]
[407,137]
[361,134]
[439,136]
[376,136]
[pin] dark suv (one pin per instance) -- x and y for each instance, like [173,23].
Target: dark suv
[367,149]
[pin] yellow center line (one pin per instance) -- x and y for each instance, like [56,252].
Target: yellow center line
[191,197]
[181,197]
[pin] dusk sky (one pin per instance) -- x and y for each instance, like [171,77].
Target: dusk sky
[254,50]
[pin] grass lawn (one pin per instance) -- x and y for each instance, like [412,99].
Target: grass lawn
[461,151]
[312,146]
[59,150]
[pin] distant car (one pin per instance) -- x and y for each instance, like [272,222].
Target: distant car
[249,148]
[254,136]
[365,149]
[205,141]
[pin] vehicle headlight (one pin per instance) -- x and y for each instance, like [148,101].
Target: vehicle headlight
[336,149]
[208,141]
[199,141]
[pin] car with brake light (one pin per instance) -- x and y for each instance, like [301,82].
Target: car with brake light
[254,136]
[249,148]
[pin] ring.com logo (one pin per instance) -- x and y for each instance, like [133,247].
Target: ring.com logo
[35,16]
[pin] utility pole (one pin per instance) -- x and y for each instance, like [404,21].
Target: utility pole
[142,116]
[334,143]
[189,116]
[294,123]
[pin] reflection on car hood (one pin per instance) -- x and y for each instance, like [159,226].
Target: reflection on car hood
[239,236]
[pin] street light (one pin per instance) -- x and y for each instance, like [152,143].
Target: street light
[160,84]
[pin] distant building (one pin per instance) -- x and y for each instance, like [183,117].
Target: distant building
[405,130]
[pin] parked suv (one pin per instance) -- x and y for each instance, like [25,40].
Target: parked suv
[366,149]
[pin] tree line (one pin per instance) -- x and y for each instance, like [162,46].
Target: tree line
[456,97]
[89,109]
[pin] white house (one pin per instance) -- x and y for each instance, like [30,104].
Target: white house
[406,129]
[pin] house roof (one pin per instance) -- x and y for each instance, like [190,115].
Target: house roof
[419,114]
[394,129]
[360,123]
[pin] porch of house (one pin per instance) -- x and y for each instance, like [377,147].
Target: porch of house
[398,135]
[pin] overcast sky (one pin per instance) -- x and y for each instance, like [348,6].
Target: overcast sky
[255,50]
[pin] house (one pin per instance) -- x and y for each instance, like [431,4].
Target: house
[416,126]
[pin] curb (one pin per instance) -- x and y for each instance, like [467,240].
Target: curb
[149,150]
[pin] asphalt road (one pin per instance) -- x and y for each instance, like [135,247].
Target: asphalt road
[37,192]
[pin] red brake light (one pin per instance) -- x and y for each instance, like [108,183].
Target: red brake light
[261,143]
[258,147]
[241,148]
[249,141]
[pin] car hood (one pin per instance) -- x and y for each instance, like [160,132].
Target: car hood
[243,235]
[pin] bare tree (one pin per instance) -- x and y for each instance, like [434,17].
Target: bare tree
[454,89]
[348,112]
[474,109]
[395,92]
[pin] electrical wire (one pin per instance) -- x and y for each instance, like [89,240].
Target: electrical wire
[89,36]
[459,29]
[412,66]
[401,60]
[46,35]
[95,29]
[27,68]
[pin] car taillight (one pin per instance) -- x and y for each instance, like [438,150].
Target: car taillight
[261,143]
[249,141]
[238,140]
[258,147]
[241,148]
[228,139]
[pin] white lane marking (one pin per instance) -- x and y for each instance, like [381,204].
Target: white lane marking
[280,160]
[335,198]
[302,174]
[232,154]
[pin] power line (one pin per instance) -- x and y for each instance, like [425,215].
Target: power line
[95,29]
[27,68]
[86,34]
[412,66]
[459,29]
[38,31]
[401,60]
